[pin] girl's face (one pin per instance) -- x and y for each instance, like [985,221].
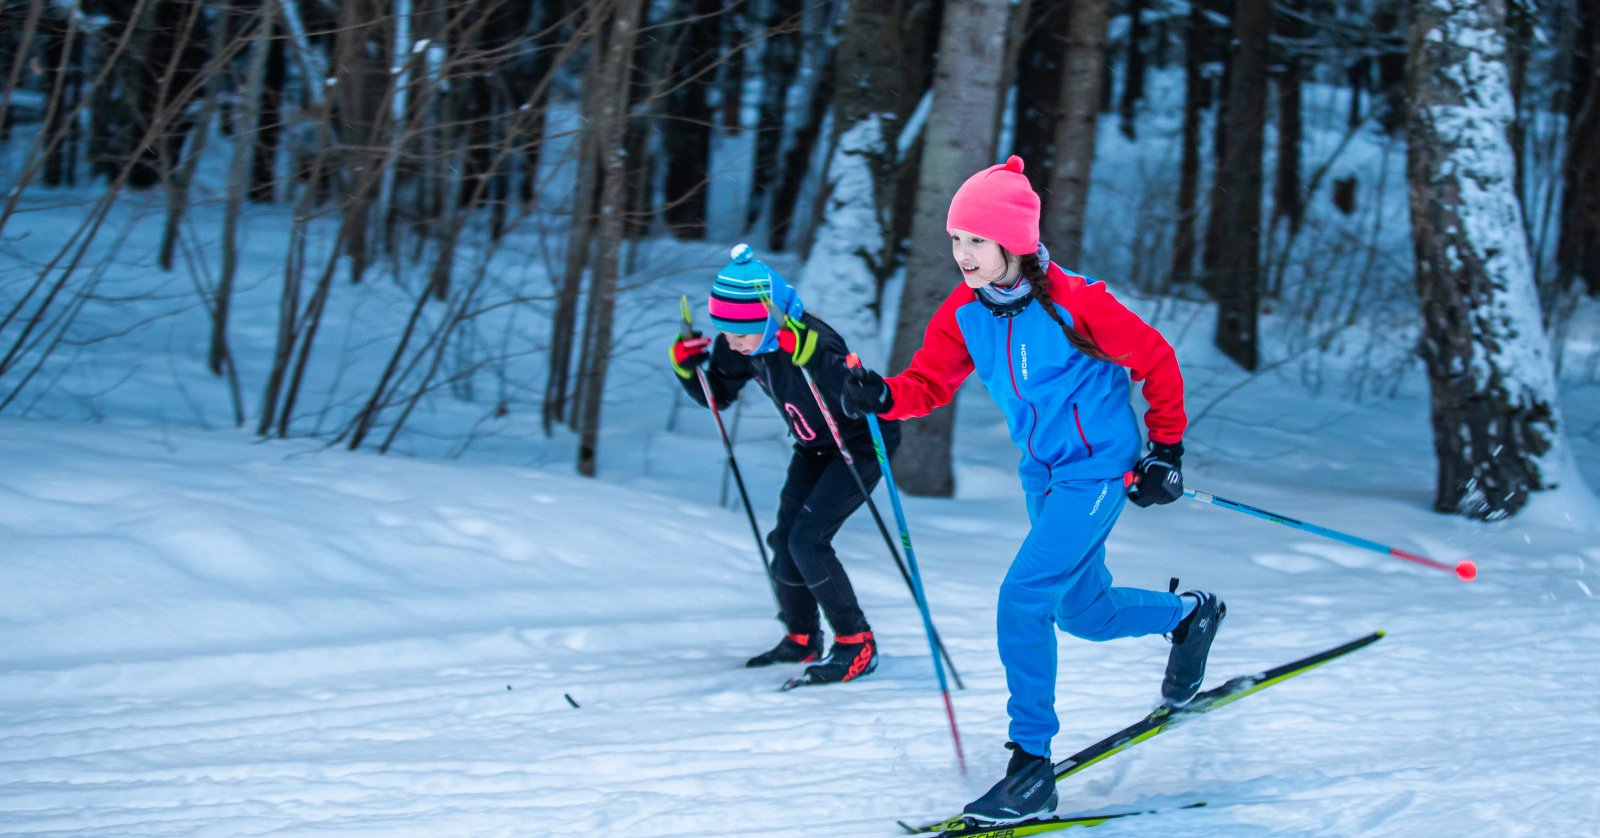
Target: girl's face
[982,261]
[743,344]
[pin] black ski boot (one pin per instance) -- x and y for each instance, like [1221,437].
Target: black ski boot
[852,656]
[1028,790]
[1191,644]
[793,648]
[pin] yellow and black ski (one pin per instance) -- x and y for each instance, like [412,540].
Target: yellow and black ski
[1159,720]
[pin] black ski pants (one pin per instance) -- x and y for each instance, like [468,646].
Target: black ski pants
[818,495]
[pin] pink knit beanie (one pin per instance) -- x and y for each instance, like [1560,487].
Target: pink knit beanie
[998,204]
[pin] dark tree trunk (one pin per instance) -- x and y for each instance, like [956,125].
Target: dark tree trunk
[1215,232]
[532,87]
[155,87]
[263,172]
[60,43]
[1388,21]
[1133,68]
[1038,103]
[1287,202]
[1578,251]
[361,98]
[796,161]
[780,65]
[1082,84]
[686,126]
[1196,93]
[1235,281]
[1357,74]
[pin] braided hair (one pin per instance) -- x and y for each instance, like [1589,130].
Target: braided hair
[1038,277]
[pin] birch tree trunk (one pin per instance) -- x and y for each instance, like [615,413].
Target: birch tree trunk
[1496,423]
[1081,88]
[968,91]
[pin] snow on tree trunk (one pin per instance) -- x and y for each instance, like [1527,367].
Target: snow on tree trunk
[849,258]
[840,278]
[1496,422]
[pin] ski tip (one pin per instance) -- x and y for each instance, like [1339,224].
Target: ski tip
[792,683]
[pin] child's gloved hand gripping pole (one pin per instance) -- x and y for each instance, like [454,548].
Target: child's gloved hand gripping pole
[1466,570]
[727,445]
[856,369]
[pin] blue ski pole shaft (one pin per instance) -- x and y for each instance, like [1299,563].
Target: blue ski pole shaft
[1465,570]
[916,575]
[850,464]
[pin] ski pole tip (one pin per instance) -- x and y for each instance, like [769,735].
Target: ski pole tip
[1466,570]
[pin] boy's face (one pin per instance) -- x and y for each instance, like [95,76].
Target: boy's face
[743,344]
[982,261]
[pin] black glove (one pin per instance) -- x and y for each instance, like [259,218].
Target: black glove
[1158,477]
[865,392]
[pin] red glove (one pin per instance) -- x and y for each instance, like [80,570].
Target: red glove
[690,351]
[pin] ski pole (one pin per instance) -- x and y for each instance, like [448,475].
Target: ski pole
[733,463]
[850,464]
[854,363]
[1466,570]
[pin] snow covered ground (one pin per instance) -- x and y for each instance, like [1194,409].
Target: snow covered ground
[206,634]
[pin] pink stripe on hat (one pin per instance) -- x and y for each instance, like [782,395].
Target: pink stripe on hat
[729,310]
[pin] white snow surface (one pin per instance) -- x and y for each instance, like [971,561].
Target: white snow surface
[207,635]
[203,633]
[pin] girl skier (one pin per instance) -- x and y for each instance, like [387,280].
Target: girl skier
[1055,351]
[766,335]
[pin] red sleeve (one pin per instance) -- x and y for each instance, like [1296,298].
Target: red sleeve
[938,367]
[1132,343]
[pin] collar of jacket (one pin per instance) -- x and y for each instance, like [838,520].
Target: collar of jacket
[1006,302]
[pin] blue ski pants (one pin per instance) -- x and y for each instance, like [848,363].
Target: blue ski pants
[1059,580]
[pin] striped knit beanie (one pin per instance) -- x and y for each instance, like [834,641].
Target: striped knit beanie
[741,296]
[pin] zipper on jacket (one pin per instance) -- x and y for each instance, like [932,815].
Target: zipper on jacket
[1011,370]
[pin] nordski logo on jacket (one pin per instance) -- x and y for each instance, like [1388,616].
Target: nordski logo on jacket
[1024,349]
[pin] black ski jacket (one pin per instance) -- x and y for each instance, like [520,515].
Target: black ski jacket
[782,381]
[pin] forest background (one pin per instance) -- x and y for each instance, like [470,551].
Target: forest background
[530,179]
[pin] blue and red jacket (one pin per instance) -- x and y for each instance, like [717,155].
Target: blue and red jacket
[1067,411]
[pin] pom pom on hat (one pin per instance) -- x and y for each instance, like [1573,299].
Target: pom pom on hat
[744,294]
[998,204]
